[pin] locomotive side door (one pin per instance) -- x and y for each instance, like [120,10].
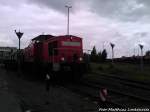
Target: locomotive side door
[53,54]
[38,52]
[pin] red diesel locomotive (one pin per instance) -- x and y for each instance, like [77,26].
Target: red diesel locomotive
[53,54]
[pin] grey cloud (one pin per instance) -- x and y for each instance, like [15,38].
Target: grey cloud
[55,4]
[141,34]
[12,3]
[125,10]
[146,2]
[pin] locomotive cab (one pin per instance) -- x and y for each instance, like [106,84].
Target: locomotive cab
[65,52]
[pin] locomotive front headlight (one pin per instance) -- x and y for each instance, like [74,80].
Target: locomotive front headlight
[81,59]
[62,59]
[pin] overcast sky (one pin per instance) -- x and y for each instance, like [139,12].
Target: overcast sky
[126,23]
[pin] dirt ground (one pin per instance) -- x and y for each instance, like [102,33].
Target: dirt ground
[32,96]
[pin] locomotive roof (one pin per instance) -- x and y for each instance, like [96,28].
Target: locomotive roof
[68,36]
[42,37]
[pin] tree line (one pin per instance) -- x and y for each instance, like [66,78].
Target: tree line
[100,56]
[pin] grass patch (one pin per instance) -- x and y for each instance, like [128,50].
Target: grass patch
[131,71]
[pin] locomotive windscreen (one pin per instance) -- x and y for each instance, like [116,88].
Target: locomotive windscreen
[66,43]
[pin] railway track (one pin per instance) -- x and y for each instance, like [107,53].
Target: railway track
[118,99]
[132,88]
[135,83]
[120,96]
[123,93]
[89,93]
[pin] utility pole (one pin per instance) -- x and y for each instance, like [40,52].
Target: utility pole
[112,46]
[141,62]
[68,8]
[19,35]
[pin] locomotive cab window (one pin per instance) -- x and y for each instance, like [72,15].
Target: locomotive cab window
[52,48]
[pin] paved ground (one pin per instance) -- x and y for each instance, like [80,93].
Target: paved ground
[8,101]
[32,96]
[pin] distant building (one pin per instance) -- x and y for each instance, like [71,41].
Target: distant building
[5,53]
